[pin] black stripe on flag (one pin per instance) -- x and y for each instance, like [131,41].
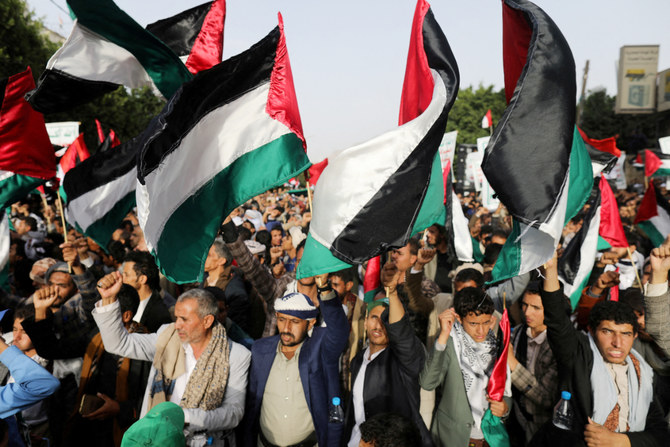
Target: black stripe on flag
[409,184]
[180,31]
[206,92]
[570,260]
[100,169]
[538,123]
[601,157]
[662,201]
[56,88]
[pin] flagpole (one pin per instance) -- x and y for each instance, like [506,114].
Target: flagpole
[309,195]
[637,275]
[62,216]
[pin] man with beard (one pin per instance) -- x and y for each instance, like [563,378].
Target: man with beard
[293,377]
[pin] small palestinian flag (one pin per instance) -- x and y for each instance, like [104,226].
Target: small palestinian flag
[653,216]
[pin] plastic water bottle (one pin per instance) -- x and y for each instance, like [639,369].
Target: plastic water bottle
[563,413]
[335,412]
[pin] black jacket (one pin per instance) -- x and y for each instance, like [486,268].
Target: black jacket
[156,313]
[392,379]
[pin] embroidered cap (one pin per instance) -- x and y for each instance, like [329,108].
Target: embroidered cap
[297,305]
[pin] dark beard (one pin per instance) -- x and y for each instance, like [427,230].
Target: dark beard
[295,342]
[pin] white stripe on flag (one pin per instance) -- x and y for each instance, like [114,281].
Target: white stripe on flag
[219,138]
[5,241]
[368,165]
[88,208]
[462,239]
[661,222]
[88,55]
[587,257]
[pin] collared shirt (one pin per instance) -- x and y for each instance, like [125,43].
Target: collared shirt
[140,309]
[534,348]
[357,397]
[619,373]
[285,417]
[181,381]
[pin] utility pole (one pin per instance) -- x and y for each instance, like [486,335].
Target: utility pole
[580,106]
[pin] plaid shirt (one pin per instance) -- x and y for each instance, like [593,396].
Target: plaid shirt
[537,393]
[267,286]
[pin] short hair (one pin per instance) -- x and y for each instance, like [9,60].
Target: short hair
[116,250]
[491,253]
[500,233]
[222,250]
[30,221]
[620,313]
[414,245]
[301,245]
[144,264]
[206,301]
[263,237]
[244,232]
[472,300]
[347,275]
[534,287]
[390,430]
[469,274]
[23,312]
[633,297]
[128,298]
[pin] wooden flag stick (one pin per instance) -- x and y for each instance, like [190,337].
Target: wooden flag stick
[504,300]
[632,261]
[62,216]
[309,195]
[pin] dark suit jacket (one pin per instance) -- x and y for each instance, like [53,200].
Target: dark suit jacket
[318,361]
[156,313]
[392,379]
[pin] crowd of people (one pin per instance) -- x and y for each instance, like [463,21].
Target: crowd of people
[101,349]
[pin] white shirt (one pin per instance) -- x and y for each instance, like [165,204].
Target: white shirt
[357,396]
[140,309]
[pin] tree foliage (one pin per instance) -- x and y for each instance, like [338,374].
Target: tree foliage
[22,43]
[634,131]
[469,109]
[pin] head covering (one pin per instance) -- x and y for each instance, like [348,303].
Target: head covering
[255,217]
[297,236]
[40,268]
[162,426]
[297,305]
[256,248]
[380,302]
[59,266]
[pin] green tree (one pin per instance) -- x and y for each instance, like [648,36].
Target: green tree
[22,42]
[126,111]
[469,109]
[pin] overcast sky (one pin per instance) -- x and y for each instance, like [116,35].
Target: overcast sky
[348,57]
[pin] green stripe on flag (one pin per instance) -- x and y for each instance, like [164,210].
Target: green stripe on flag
[432,209]
[661,172]
[577,292]
[101,230]
[581,177]
[508,263]
[318,260]
[652,232]
[181,250]
[16,187]
[602,244]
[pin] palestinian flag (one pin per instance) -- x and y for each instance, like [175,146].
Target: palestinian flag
[228,135]
[315,171]
[611,228]
[108,141]
[604,153]
[456,224]
[576,262]
[372,281]
[492,426]
[536,134]
[74,154]
[105,49]
[374,196]
[656,164]
[195,35]
[653,216]
[100,192]
[27,157]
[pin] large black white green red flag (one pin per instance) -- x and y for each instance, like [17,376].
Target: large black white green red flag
[374,196]
[228,135]
[105,49]
[537,135]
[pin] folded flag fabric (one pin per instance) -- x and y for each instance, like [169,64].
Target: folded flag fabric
[5,245]
[611,228]
[604,153]
[100,191]
[195,35]
[74,154]
[228,135]
[576,262]
[374,196]
[653,216]
[372,281]
[27,158]
[105,49]
[315,171]
[536,134]
[656,164]
[487,120]
[493,428]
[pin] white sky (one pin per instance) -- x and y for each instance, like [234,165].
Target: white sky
[348,57]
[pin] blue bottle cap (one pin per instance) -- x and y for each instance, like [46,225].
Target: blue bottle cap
[336,401]
[566,395]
